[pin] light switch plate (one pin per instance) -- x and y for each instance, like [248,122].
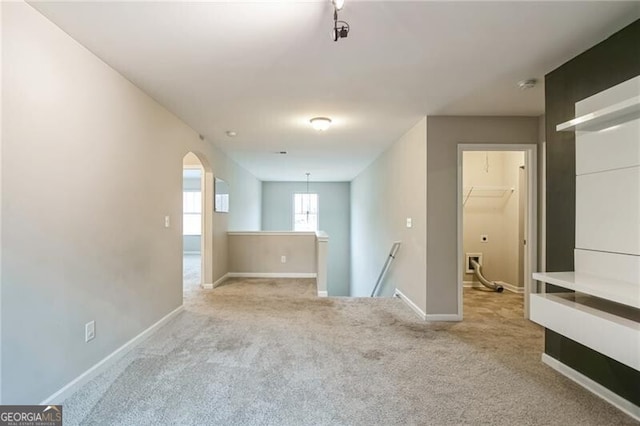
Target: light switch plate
[409,222]
[167,221]
[89,331]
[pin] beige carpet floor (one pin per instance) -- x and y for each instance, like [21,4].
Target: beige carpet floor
[267,352]
[191,272]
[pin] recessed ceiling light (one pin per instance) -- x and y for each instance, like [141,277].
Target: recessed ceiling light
[529,83]
[231,133]
[320,123]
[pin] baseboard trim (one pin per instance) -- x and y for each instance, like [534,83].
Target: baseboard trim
[207,286]
[272,275]
[410,304]
[594,387]
[71,387]
[443,317]
[323,294]
[220,280]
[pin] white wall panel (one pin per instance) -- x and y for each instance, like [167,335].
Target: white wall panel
[607,211]
[613,95]
[614,148]
[612,266]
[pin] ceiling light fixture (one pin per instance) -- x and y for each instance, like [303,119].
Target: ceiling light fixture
[340,28]
[529,83]
[231,133]
[320,123]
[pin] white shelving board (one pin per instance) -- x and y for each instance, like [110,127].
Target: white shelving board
[616,337]
[622,292]
[609,116]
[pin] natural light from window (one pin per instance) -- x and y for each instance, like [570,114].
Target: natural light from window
[305,212]
[192,213]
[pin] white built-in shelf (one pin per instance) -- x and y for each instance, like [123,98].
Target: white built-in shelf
[610,116]
[610,334]
[623,292]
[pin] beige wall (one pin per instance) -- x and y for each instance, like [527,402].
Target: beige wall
[493,213]
[443,136]
[91,165]
[383,196]
[261,252]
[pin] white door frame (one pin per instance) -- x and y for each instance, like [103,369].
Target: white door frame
[531,248]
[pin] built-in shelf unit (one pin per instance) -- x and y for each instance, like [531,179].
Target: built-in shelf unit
[600,307]
[604,118]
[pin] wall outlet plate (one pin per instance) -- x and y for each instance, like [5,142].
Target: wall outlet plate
[484,238]
[167,221]
[409,222]
[283,259]
[89,331]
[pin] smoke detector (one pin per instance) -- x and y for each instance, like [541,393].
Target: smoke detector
[529,83]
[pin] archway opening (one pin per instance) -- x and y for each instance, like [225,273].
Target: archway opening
[196,222]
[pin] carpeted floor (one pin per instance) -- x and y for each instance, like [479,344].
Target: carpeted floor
[267,352]
[191,272]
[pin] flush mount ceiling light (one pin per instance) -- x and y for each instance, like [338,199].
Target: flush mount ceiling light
[340,28]
[231,133]
[320,123]
[529,83]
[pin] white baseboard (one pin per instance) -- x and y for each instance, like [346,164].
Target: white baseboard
[510,287]
[272,275]
[108,361]
[220,280]
[412,305]
[443,317]
[594,387]
[323,294]
[207,286]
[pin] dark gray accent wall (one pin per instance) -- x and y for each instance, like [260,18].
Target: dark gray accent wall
[611,62]
[607,64]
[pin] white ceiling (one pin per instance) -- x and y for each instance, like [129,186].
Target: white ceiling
[263,68]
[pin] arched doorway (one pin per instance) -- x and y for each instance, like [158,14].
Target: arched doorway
[197,190]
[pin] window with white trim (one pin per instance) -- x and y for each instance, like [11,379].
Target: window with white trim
[305,212]
[191,213]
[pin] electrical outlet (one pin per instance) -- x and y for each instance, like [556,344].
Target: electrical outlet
[167,221]
[89,331]
[484,238]
[409,222]
[283,259]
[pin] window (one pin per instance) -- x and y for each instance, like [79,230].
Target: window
[305,212]
[192,213]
